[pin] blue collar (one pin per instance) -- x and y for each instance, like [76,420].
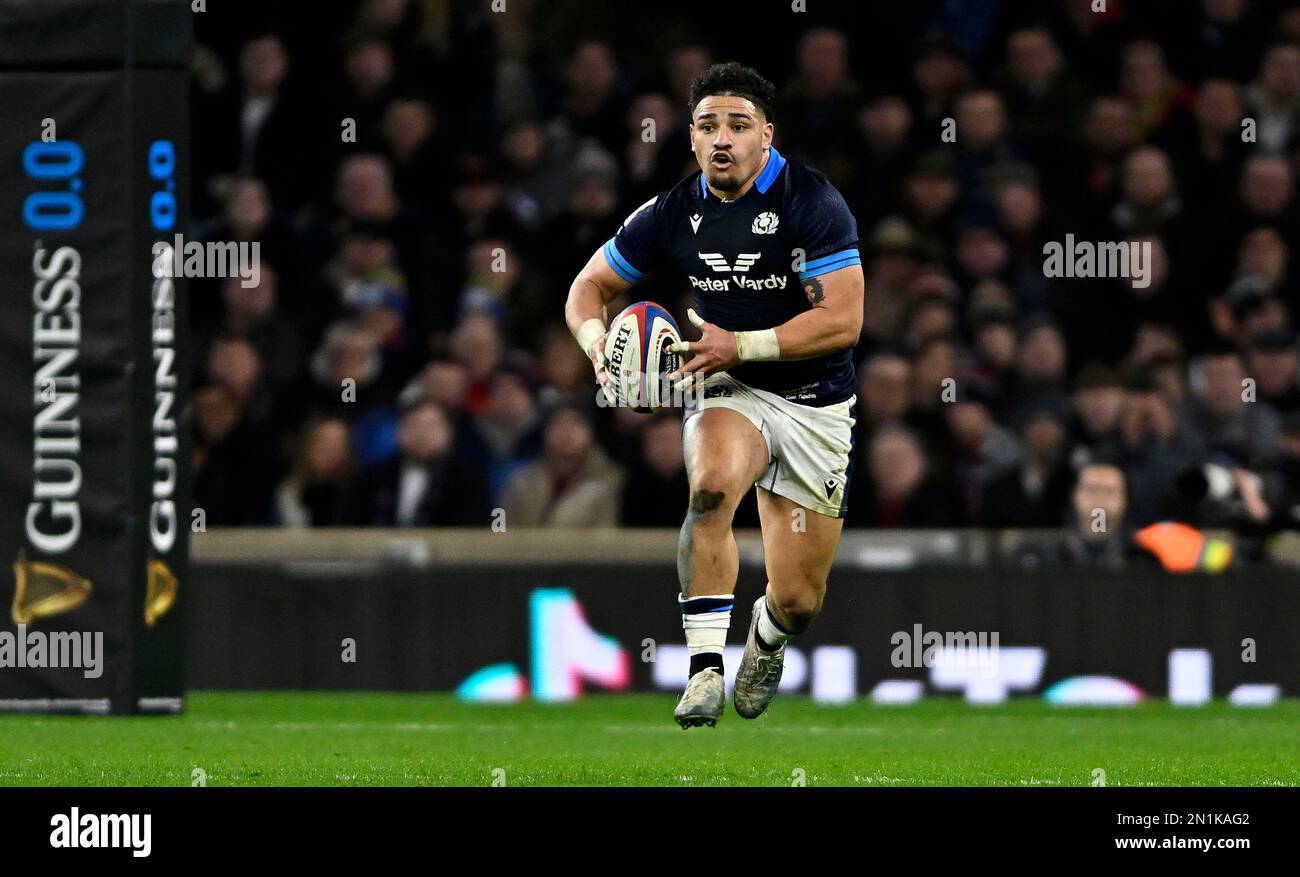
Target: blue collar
[771,170]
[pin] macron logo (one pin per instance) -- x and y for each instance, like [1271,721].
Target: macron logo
[695,223]
[77,830]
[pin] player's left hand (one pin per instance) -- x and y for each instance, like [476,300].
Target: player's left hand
[714,352]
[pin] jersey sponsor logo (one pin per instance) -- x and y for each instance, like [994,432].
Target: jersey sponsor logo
[695,223]
[718,262]
[765,223]
[756,284]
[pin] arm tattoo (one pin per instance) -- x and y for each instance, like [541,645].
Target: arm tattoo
[812,287]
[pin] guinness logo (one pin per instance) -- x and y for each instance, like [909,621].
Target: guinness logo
[160,593]
[43,589]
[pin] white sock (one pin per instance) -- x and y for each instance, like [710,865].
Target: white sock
[768,630]
[705,620]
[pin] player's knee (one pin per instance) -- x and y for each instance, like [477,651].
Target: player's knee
[711,506]
[714,495]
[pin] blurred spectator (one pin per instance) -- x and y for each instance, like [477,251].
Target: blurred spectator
[427,261]
[656,490]
[1246,431]
[572,484]
[427,484]
[1152,447]
[234,476]
[1276,369]
[1034,492]
[815,108]
[1273,99]
[979,446]
[317,491]
[1098,536]
[895,488]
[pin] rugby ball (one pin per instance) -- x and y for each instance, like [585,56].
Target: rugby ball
[637,358]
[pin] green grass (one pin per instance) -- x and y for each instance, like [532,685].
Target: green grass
[334,738]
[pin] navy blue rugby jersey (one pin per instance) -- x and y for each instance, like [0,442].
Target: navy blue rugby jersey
[739,258]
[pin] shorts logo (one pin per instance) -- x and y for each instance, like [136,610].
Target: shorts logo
[718,262]
[717,391]
[831,484]
[765,223]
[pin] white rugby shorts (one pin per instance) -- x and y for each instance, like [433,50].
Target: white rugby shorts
[810,449]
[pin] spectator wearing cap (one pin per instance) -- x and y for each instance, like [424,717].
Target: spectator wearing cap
[572,484]
[426,484]
[1272,359]
[657,488]
[1035,491]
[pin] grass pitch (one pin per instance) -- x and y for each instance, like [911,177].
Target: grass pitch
[336,738]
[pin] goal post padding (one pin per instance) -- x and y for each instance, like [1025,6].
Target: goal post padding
[94,380]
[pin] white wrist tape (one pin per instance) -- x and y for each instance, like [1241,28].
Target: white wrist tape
[757,345]
[588,332]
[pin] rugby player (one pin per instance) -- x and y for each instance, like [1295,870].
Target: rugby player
[771,251]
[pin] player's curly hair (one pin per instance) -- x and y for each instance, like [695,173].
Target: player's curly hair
[733,78]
